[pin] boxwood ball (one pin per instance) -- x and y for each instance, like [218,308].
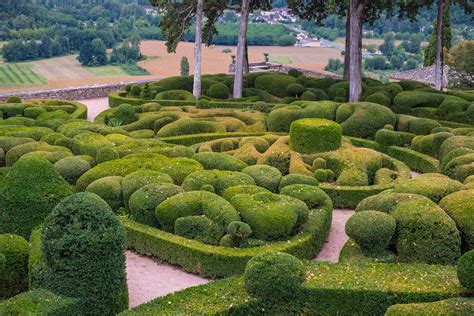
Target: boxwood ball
[312,135]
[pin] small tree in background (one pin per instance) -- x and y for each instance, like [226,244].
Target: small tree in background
[461,65]
[184,66]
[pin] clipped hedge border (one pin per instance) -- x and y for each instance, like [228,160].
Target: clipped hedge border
[193,139]
[350,196]
[413,159]
[330,289]
[40,302]
[79,113]
[215,261]
[115,99]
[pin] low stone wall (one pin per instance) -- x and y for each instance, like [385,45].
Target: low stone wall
[75,93]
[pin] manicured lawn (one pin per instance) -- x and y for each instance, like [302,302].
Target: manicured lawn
[280,59]
[19,74]
[107,71]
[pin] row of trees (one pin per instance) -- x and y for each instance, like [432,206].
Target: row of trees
[180,14]
[95,53]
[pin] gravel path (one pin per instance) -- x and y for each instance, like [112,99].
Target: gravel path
[95,106]
[337,236]
[148,279]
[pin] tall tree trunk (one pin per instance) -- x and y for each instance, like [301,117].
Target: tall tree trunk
[239,64]
[439,48]
[197,50]
[347,48]
[355,58]
[246,56]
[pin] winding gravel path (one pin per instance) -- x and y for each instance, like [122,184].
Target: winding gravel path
[95,106]
[148,279]
[337,236]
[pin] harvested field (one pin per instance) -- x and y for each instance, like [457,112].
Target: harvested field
[65,71]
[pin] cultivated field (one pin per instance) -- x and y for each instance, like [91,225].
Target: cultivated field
[66,71]
[19,75]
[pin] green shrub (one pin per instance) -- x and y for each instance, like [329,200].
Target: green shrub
[425,233]
[430,144]
[290,179]
[14,271]
[459,206]
[218,91]
[29,191]
[274,276]
[205,203]
[363,119]
[188,126]
[200,228]
[135,180]
[309,96]
[71,168]
[274,83]
[175,95]
[423,126]
[83,246]
[40,302]
[230,192]
[34,111]
[220,161]
[176,83]
[13,99]
[106,154]
[412,84]
[371,230]
[265,176]
[320,83]
[271,216]
[151,107]
[314,197]
[219,179]
[143,201]
[387,137]
[109,189]
[294,72]
[466,270]
[433,186]
[379,98]
[405,101]
[238,233]
[339,90]
[315,135]
[295,90]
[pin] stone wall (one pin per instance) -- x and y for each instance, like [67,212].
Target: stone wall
[75,93]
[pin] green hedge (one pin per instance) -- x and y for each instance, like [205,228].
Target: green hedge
[40,302]
[213,261]
[329,289]
[188,140]
[414,160]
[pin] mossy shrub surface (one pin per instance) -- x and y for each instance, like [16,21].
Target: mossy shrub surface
[315,135]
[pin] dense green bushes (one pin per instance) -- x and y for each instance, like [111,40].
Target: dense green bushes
[28,193]
[315,135]
[466,270]
[82,244]
[274,276]
[274,83]
[14,251]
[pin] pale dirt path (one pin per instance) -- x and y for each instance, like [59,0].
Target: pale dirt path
[337,236]
[148,279]
[95,106]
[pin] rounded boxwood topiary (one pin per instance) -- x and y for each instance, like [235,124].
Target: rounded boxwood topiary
[465,270]
[143,202]
[220,161]
[294,72]
[309,96]
[290,179]
[200,228]
[274,276]
[28,192]
[265,176]
[106,154]
[315,135]
[109,189]
[71,168]
[371,230]
[13,99]
[295,90]
[175,95]
[138,179]
[14,274]
[83,250]
[218,91]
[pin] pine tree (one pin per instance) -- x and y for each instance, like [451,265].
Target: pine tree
[430,51]
[184,66]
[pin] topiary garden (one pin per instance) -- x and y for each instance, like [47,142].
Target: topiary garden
[244,190]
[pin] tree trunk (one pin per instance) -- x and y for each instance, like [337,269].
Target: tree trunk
[239,64]
[246,56]
[197,50]
[355,58]
[439,48]
[347,48]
